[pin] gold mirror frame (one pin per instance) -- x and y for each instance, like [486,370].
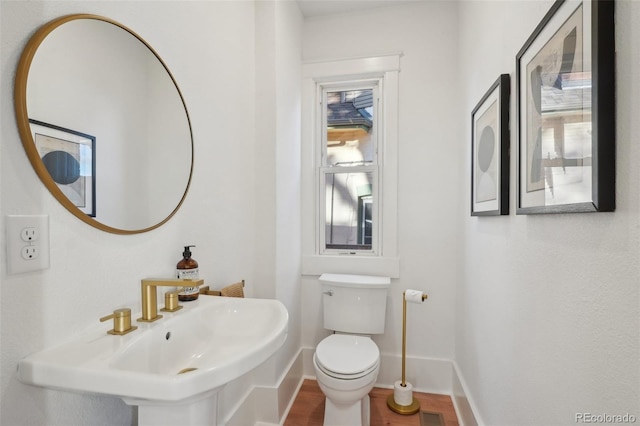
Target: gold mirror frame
[24,129]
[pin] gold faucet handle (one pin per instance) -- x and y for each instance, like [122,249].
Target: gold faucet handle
[121,321]
[171,300]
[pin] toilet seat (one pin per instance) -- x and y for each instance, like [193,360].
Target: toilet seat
[347,356]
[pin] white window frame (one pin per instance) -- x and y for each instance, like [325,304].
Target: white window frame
[384,259]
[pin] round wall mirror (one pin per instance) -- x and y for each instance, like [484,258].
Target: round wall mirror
[104,124]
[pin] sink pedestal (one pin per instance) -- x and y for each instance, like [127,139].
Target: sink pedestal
[200,410]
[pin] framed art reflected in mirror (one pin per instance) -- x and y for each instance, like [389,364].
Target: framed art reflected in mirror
[490,151]
[70,159]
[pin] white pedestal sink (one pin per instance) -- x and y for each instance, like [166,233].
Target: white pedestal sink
[172,369]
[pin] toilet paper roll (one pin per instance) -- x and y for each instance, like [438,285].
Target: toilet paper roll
[413,296]
[403,395]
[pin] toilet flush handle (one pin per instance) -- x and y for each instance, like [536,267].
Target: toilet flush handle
[328,293]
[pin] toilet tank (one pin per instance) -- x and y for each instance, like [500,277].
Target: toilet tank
[354,303]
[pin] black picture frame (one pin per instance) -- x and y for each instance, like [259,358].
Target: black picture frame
[565,111]
[70,158]
[490,151]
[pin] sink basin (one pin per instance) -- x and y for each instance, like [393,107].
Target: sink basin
[183,357]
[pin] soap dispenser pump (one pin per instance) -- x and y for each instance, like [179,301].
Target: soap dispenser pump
[187,268]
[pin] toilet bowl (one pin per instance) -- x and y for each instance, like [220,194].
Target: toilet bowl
[346,368]
[347,362]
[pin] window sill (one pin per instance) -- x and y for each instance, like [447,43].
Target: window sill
[348,264]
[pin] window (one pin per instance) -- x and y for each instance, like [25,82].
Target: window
[350,166]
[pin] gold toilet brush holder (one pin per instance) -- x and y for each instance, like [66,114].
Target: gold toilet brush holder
[405,407]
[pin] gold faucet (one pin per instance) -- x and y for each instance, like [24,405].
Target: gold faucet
[150,296]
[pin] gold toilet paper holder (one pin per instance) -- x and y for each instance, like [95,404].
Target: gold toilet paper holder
[414,407]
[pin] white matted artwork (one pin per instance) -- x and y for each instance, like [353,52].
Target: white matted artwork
[490,151]
[565,118]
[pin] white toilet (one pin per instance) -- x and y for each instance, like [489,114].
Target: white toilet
[347,362]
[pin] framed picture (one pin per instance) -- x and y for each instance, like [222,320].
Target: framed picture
[565,88]
[490,151]
[70,158]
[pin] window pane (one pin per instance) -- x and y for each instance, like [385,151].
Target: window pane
[349,207]
[350,117]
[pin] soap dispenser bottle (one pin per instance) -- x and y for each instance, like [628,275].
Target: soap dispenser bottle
[187,268]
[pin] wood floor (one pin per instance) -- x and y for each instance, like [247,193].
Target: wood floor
[308,408]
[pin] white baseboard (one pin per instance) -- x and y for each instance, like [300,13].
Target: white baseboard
[425,374]
[465,408]
[269,405]
[441,376]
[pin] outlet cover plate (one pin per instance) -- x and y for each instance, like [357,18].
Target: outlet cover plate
[16,246]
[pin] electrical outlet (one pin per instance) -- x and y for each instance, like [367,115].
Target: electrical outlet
[30,252]
[29,234]
[27,243]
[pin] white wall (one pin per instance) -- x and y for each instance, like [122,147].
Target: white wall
[429,178]
[288,49]
[210,48]
[548,306]
[277,147]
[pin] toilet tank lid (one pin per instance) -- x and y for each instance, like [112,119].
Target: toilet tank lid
[363,281]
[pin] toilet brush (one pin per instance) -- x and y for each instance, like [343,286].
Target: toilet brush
[402,400]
